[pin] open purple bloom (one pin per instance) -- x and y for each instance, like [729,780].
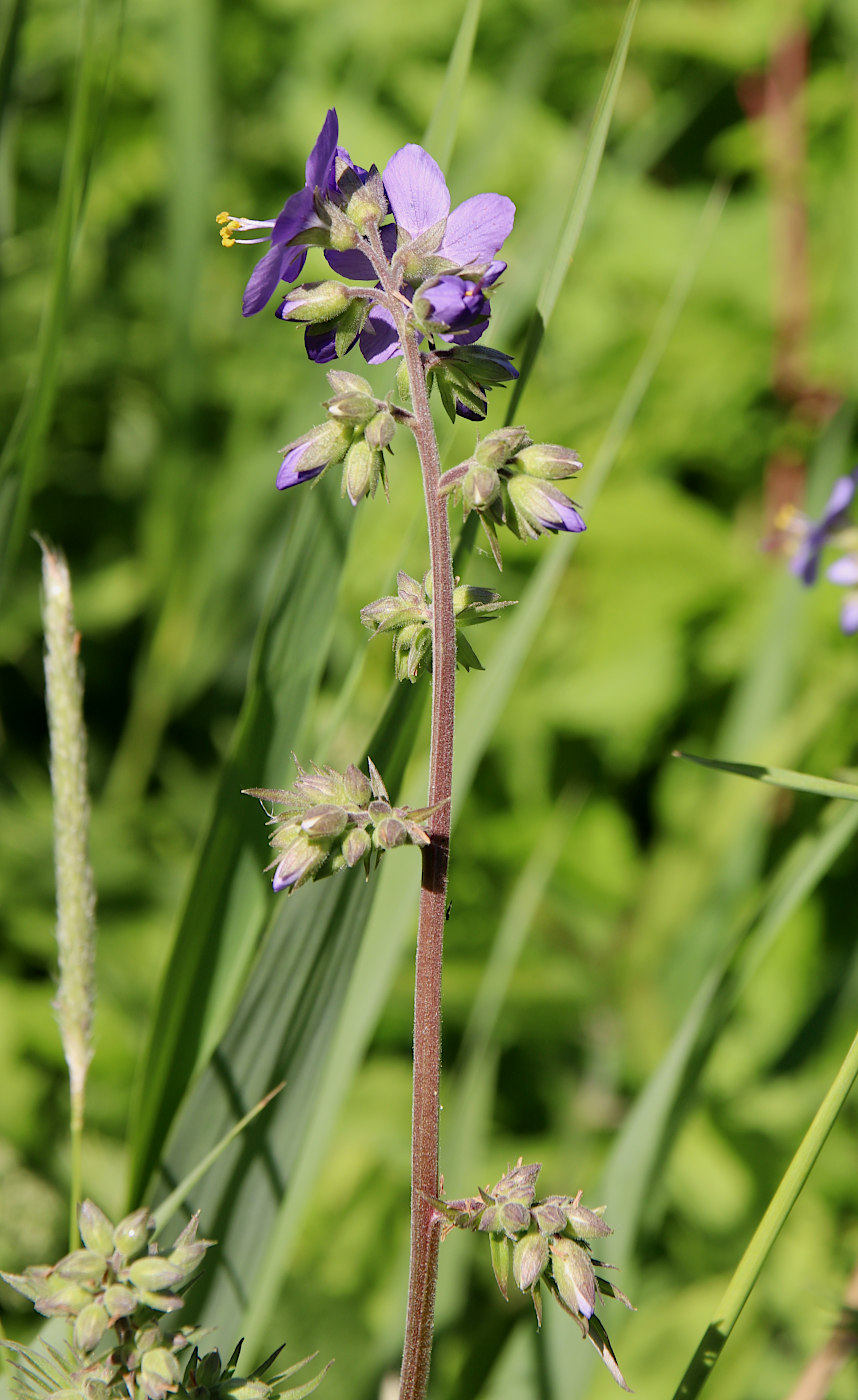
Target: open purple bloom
[450,303]
[285,259]
[814,536]
[419,201]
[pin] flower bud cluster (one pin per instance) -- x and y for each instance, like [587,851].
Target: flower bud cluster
[408,616]
[508,481]
[547,1242]
[333,821]
[119,1282]
[116,1290]
[463,376]
[358,430]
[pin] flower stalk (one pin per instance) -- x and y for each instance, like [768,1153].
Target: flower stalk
[425,1228]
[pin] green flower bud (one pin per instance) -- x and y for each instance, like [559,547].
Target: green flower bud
[82,1266]
[326,820]
[352,408]
[152,1273]
[132,1234]
[159,1373]
[90,1326]
[119,1300]
[529,1259]
[389,833]
[96,1230]
[548,461]
[301,858]
[361,471]
[550,1215]
[342,381]
[379,809]
[380,430]
[519,1184]
[586,1223]
[573,1274]
[159,1302]
[480,489]
[367,206]
[357,786]
[67,1300]
[499,447]
[356,846]
[500,1248]
[314,302]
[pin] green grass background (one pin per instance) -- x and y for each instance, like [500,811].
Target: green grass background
[596,883]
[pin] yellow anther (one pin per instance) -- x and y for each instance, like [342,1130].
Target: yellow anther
[223,217]
[227,242]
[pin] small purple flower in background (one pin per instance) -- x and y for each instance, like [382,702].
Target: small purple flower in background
[844,572]
[813,536]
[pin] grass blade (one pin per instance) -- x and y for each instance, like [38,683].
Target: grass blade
[580,201]
[441,132]
[739,1289]
[779,777]
[26,438]
[227,905]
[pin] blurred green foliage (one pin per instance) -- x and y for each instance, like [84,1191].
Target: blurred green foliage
[671,627]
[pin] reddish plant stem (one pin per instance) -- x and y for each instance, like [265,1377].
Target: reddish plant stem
[425,1230]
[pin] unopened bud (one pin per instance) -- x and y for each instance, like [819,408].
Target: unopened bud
[356,846]
[529,1259]
[380,430]
[132,1234]
[548,461]
[357,786]
[90,1326]
[153,1273]
[573,1274]
[499,447]
[314,302]
[480,488]
[326,820]
[389,833]
[96,1230]
[361,471]
[159,1373]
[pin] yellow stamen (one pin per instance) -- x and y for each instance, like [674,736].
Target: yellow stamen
[227,242]
[223,217]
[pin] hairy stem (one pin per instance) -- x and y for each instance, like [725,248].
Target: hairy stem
[425,1230]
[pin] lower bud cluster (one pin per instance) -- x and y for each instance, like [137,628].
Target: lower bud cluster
[548,1243]
[116,1290]
[508,481]
[408,616]
[358,430]
[333,821]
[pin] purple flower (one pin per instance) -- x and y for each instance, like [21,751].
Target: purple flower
[290,473]
[812,538]
[450,303]
[537,506]
[844,572]
[287,255]
[420,201]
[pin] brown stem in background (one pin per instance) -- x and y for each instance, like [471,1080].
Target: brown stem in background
[815,1380]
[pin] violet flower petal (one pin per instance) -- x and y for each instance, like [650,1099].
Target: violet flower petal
[849,615]
[416,190]
[476,229]
[321,159]
[378,339]
[290,471]
[844,572]
[278,264]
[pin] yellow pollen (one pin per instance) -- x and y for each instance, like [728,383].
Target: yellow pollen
[227,242]
[223,217]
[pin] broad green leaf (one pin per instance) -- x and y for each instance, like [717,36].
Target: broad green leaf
[228,902]
[779,777]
